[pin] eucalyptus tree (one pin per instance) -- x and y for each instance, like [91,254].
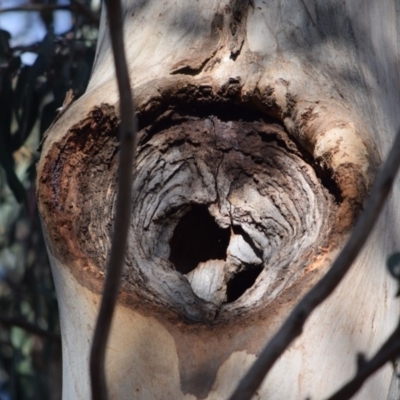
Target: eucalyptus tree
[261,126]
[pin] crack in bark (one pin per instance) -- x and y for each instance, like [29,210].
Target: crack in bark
[183,67]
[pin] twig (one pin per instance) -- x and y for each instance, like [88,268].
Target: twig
[58,40]
[389,350]
[36,7]
[29,327]
[75,7]
[293,326]
[123,207]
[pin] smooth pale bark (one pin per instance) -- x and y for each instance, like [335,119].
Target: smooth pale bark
[324,72]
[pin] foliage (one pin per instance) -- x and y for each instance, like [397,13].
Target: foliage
[393,265]
[30,364]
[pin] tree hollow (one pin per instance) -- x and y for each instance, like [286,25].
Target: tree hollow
[227,210]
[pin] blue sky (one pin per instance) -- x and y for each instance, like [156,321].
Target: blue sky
[27,27]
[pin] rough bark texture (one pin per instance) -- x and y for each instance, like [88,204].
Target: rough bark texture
[261,127]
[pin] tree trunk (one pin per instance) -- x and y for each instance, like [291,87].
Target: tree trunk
[261,127]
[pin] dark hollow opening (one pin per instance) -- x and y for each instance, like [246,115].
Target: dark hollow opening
[241,282]
[197,238]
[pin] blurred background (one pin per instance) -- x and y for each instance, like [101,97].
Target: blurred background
[46,49]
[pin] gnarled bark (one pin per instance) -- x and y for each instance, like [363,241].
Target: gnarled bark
[261,127]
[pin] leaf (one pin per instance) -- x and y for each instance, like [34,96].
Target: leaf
[7,162]
[28,119]
[27,93]
[17,337]
[6,105]
[49,112]
[393,264]
[45,55]
[81,78]
[7,72]
[5,52]
[20,90]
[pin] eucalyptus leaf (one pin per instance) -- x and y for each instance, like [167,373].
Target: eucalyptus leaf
[6,105]
[4,47]
[393,264]
[7,162]
[20,91]
[81,78]
[27,91]
[49,112]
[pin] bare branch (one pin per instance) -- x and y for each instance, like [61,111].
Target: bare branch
[123,206]
[293,326]
[58,40]
[29,327]
[389,350]
[75,7]
[36,7]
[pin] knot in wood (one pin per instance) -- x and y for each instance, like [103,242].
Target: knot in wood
[226,213]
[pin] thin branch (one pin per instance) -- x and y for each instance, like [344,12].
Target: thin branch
[29,327]
[123,206]
[36,7]
[75,7]
[58,40]
[388,352]
[293,326]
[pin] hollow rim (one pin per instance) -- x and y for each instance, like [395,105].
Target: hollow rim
[329,137]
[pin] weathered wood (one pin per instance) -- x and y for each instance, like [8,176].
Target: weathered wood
[261,127]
